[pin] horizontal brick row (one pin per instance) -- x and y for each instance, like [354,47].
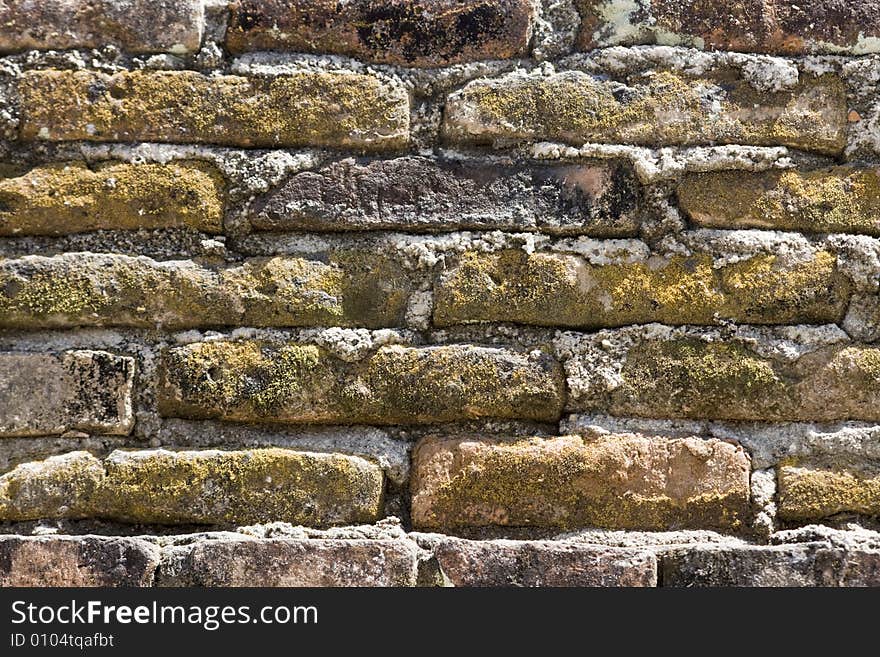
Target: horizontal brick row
[72,197]
[816,490]
[619,482]
[552,289]
[44,394]
[764,26]
[299,383]
[346,288]
[431,194]
[685,375]
[244,561]
[663,109]
[197,487]
[309,107]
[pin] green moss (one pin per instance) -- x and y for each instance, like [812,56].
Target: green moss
[813,492]
[44,295]
[694,379]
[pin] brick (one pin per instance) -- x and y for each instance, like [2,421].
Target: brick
[664,109]
[833,200]
[50,561]
[258,381]
[811,491]
[196,487]
[687,377]
[342,288]
[420,33]
[292,563]
[136,26]
[618,482]
[49,394]
[72,197]
[427,194]
[552,289]
[808,564]
[336,109]
[781,27]
[543,563]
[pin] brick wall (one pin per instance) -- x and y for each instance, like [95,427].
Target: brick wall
[424,292]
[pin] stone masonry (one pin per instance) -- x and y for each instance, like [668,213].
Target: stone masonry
[439,293]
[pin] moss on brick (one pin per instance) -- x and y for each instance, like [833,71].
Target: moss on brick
[308,107]
[834,200]
[812,491]
[549,289]
[71,197]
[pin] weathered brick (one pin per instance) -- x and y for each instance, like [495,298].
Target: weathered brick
[48,394]
[72,197]
[405,32]
[198,487]
[811,491]
[67,561]
[552,289]
[664,109]
[136,26]
[291,562]
[349,288]
[723,379]
[543,563]
[834,200]
[247,381]
[786,27]
[417,193]
[807,564]
[337,109]
[620,481]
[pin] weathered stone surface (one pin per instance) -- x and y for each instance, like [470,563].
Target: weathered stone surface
[76,561]
[809,491]
[785,27]
[338,109]
[72,197]
[291,562]
[807,564]
[552,289]
[248,381]
[343,288]
[543,563]
[687,377]
[198,487]
[619,482]
[835,200]
[665,109]
[136,26]
[48,394]
[424,194]
[406,32]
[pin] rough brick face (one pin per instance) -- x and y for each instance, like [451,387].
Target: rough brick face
[812,491]
[292,563]
[76,561]
[85,289]
[834,200]
[196,487]
[45,394]
[784,27]
[137,26]
[566,290]
[422,33]
[336,109]
[617,482]
[543,563]
[71,197]
[251,381]
[422,194]
[666,109]
[684,377]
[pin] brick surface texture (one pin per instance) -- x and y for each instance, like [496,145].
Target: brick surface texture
[439,293]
